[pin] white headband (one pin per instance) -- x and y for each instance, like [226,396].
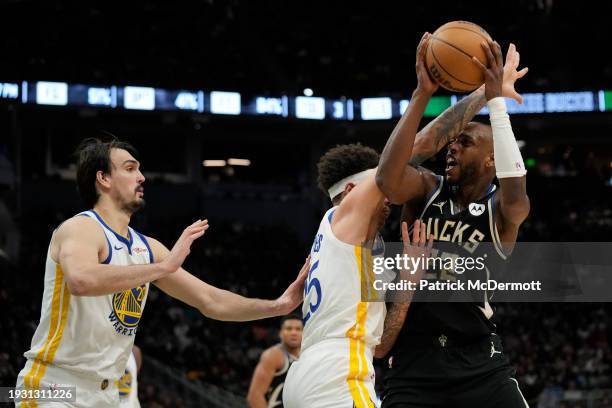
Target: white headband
[339,187]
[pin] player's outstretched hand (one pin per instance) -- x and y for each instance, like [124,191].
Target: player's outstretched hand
[425,82]
[494,73]
[511,74]
[182,247]
[420,246]
[294,294]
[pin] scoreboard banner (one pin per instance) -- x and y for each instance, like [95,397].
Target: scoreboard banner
[50,93]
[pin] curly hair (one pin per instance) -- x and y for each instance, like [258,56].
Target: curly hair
[342,161]
[93,155]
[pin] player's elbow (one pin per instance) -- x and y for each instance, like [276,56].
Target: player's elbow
[516,210]
[78,285]
[210,308]
[389,189]
[81,282]
[252,398]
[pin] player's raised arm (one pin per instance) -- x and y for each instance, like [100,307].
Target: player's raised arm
[221,304]
[513,202]
[448,125]
[399,182]
[77,245]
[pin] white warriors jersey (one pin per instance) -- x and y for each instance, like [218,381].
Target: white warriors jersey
[337,291]
[89,336]
[128,385]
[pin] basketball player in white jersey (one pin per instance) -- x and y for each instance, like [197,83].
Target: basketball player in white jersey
[97,277]
[266,389]
[128,383]
[341,329]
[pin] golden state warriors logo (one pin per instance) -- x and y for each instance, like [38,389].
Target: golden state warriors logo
[127,309]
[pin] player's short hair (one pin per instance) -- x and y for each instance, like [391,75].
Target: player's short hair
[342,161]
[93,155]
[292,316]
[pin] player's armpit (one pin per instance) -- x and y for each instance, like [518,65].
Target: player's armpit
[269,362]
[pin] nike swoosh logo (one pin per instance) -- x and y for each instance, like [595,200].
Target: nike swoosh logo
[117,249]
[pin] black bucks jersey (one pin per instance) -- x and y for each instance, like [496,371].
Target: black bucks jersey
[274,395]
[470,233]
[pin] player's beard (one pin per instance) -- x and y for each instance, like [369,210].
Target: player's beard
[468,171]
[135,206]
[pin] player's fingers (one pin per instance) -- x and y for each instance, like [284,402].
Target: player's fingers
[488,54]
[416,232]
[196,236]
[304,271]
[522,72]
[510,55]
[422,45]
[197,233]
[497,53]
[479,64]
[405,234]
[423,239]
[195,223]
[429,244]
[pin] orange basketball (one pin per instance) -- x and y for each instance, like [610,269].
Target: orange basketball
[449,55]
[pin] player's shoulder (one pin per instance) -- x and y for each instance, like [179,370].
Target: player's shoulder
[273,355]
[79,225]
[81,229]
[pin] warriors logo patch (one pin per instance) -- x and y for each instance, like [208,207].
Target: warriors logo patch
[127,309]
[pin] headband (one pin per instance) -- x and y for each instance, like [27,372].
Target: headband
[338,187]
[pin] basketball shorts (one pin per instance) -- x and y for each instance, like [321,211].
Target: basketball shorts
[89,392]
[334,373]
[428,374]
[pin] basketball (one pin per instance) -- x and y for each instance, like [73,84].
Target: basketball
[449,55]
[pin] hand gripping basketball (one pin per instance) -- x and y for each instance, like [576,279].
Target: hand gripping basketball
[425,82]
[494,73]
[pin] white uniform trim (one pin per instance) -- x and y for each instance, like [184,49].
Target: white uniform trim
[493,227]
[433,195]
[519,390]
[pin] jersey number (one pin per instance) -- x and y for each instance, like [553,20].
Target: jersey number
[312,283]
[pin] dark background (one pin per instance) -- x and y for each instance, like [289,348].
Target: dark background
[263,217]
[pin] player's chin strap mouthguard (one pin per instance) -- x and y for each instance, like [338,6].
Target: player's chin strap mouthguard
[508,159]
[338,187]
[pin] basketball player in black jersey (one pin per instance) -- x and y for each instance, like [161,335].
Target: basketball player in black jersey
[266,389]
[447,354]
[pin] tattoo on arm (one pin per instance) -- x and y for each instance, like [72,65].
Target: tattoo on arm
[447,126]
[394,320]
